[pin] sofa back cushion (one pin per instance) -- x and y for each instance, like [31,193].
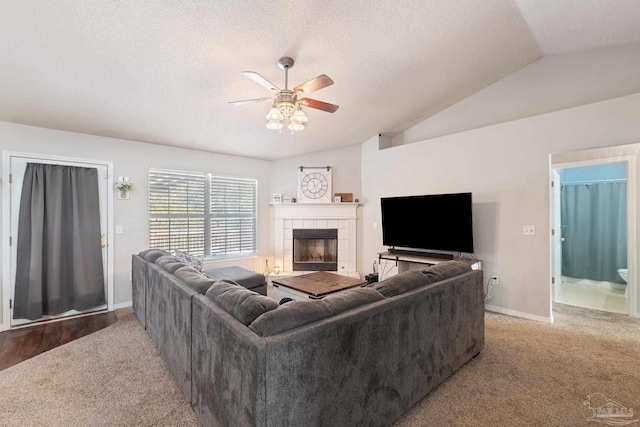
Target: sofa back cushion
[445,270]
[194,279]
[192,260]
[169,263]
[401,283]
[152,255]
[240,302]
[298,313]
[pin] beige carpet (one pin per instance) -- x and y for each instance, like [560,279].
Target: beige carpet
[530,374]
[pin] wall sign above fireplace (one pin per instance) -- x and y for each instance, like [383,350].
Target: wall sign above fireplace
[314,184]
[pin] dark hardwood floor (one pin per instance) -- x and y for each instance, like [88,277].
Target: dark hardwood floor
[18,345]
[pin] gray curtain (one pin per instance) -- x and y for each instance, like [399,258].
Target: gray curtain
[594,225]
[59,254]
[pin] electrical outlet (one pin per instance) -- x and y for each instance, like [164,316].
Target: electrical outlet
[529,230]
[495,280]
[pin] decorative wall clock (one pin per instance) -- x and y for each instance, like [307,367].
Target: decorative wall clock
[314,185]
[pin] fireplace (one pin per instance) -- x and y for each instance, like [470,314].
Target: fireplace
[315,249]
[292,216]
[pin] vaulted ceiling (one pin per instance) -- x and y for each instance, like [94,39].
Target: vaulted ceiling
[164,72]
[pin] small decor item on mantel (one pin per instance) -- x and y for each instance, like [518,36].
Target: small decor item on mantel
[277,198]
[314,184]
[344,197]
[124,186]
[337,199]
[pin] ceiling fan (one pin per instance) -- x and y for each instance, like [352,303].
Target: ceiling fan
[287,103]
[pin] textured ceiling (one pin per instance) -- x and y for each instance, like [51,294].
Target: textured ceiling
[163,72]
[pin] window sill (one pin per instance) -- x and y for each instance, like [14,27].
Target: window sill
[225,258]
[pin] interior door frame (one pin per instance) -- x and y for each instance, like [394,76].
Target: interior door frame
[556,235]
[6,224]
[630,161]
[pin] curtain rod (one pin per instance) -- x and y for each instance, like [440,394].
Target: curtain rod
[595,181]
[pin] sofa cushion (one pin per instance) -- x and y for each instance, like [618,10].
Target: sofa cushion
[169,263]
[246,278]
[194,279]
[240,302]
[401,283]
[445,270]
[152,255]
[192,260]
[294,314]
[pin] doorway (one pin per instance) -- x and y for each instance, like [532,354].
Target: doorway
[14,166]
[591,211]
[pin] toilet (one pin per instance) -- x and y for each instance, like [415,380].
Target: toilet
[624,274]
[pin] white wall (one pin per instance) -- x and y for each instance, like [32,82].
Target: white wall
[344,161]
[506,166]
[133,159]
[552,83]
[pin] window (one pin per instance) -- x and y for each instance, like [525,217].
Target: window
[202,214]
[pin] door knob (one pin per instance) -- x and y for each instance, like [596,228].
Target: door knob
[562,239]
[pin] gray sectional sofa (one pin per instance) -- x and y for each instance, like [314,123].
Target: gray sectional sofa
[162,289]
[358,358]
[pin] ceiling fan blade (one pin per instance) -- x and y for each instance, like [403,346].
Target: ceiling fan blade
[261,80]
[250,101]
[314,84]
[319,105]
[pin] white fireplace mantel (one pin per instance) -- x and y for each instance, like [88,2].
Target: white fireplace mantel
[341,216]
[316,210]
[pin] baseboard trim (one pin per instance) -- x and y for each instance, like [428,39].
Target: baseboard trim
[122,305]
[520,314]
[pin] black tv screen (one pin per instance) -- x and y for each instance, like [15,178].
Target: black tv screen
[433,222]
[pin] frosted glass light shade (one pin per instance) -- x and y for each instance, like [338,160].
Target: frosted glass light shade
[299,117]
[274,114]
[274,125]
[295,126]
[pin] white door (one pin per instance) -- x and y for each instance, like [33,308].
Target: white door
[18,165]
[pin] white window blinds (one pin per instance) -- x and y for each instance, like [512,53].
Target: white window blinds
[202,214]
[233,215]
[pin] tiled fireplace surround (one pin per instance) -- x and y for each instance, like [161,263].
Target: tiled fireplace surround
[341,216]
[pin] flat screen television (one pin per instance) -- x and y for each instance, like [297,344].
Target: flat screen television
[440,222]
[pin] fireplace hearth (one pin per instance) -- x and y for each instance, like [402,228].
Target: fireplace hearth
[315,249]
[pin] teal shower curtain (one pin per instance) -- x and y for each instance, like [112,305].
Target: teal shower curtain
[594,225]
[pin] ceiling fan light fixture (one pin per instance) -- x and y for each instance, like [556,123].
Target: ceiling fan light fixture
[274,125]
[274,114]
[299,116]
[285,103]
[295,126]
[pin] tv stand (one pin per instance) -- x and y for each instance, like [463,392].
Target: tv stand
[406,260]
[405,252]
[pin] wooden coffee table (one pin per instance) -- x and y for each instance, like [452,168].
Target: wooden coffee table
[313,285]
